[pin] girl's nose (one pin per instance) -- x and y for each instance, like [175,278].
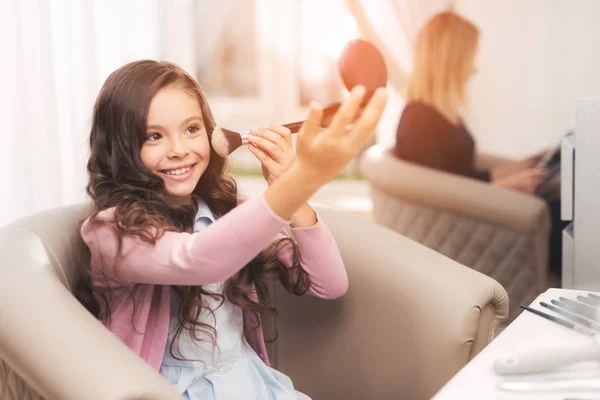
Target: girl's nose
[177,150]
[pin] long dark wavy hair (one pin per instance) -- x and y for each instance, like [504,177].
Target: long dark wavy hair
[143,208]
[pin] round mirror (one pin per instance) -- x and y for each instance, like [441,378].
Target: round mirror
[360,63]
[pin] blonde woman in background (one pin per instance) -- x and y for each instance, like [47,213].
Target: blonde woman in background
[431,131]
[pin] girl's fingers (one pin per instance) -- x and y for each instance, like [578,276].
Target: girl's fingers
[269,142]
[282,131]
[370,116]
[310,128]
[346,113]
[263,157]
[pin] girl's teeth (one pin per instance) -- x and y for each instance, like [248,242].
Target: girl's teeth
[178,171]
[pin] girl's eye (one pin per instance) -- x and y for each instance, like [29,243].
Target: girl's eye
[193,129]
[153,137]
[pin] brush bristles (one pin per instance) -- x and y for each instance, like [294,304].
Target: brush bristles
[225,141]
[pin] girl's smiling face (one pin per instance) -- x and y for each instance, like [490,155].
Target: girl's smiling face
[177,146]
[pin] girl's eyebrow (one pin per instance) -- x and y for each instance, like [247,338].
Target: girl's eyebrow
[185,122]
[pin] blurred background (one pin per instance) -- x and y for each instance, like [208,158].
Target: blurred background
[262,61]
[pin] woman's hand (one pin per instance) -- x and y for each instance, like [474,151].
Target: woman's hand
[533,160]
[526,181]
[272,146]
[507,169]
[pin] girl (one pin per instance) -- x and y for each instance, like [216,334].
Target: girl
[177,267]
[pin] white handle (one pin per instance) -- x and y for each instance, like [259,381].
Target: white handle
[547,385]
[546,360]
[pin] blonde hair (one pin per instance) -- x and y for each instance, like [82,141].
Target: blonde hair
[443,58]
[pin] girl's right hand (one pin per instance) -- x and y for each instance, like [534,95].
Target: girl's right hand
[323,154]
[527,181]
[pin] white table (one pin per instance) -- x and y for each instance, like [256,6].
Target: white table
[527,332]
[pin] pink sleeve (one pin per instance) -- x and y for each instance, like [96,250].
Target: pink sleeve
[202,258]
[320,258]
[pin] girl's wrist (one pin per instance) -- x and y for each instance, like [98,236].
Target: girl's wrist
[305,177]
[305,217]
[290,191]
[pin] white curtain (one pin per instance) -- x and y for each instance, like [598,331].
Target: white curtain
[392,25]
[56,55]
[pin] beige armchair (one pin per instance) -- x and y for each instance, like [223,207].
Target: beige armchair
[411,319]
[498,232]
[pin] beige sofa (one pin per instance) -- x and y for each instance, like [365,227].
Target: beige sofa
[411,319]
[499,232]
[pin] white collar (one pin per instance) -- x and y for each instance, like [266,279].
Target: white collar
[203,210]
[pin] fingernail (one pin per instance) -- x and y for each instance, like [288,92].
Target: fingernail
[267,126]
[253,130]
[360,89]
[315,106]
[381,92]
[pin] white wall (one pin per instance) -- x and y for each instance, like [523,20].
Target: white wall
[536,57]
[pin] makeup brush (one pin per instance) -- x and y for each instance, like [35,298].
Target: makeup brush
[360,63]
[226,141]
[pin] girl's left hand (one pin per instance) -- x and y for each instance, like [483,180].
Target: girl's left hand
[273,147]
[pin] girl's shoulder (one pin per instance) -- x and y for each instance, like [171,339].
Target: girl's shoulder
[92,228]
[103,216]
[97,222]
[421,120]
[92,224]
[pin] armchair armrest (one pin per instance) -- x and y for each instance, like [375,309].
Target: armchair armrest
[53,343]
[515,210]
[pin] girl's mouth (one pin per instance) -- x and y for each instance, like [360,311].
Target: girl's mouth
[178,174]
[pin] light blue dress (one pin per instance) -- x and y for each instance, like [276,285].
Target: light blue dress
[229,371]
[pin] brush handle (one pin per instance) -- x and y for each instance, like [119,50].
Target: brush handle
[589,302]
[570,316]
[328,113]
[294,127]
[580,309]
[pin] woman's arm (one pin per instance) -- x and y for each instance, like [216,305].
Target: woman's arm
[510,168]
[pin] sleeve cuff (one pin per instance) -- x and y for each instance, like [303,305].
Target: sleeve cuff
[272,213]
[308,228]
